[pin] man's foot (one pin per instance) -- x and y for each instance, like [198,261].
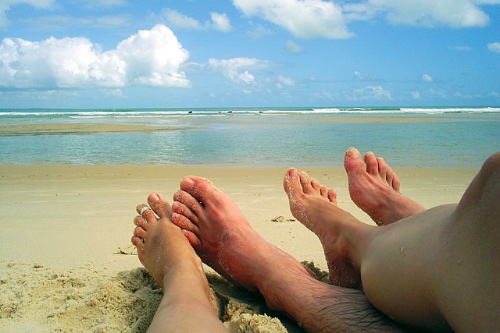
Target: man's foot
[374,188]
[223,238]
[315,206]
[161,245]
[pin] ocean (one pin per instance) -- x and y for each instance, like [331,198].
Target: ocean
[258,136]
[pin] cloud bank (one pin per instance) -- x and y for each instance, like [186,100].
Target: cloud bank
[329,19]
[304,19]
[150,58]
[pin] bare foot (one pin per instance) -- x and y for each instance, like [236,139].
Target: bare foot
[161,245]
[315,206]
[166,253]
[223,238]
[374,188]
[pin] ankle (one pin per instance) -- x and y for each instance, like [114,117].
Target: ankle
[277,288]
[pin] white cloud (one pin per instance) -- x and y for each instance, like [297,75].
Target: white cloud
[286,81]
[329,19]
[293,47]
[63,21]
[302,18]
[494,47]
[178,20]
[220,22]
[427,78]
[439,93]
[258,31]
[358,75]
[150,57]
[452,13]
[237,69]
[102,3]
[371,93]
[6,5]
[415,95]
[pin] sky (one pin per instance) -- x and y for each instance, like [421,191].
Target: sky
[249,53]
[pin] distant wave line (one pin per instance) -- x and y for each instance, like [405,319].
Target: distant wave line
[127,113]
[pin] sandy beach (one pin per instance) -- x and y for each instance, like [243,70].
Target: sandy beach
[64,225]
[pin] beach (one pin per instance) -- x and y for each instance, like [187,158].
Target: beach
[70,181]
[65,264]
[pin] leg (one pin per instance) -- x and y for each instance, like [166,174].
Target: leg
[433,270]
[375,188]
[457,249]
[314,209]
[166,253]
[224,239]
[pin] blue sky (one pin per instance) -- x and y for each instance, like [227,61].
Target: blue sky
[249,53]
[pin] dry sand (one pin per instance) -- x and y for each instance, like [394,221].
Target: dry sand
[63,225]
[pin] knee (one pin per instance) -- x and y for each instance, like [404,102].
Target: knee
[490,167]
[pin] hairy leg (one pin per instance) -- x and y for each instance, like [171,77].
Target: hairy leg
[176,268]
[375,188]
[224,239]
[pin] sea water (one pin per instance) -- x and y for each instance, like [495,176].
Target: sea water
[259,137]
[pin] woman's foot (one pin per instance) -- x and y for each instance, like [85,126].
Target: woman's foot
[374,187]
[162,247]
[165,252]
[315,206]
[223,238]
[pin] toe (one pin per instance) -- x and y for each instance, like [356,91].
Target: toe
[146,213]
[383,167]
[188,205]
[140,222]
[159,205]
[139,232]
[315,184]
[371,163]
[353,161]
[137,241]
[193,239]
[396,183]
[181,209]
[323,191]
[199,188]
[307,182]
[291,183]
[184,223]
[332,196]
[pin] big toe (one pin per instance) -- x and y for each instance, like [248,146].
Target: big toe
[199,188]
[353,161]
[160,205]
[291,183]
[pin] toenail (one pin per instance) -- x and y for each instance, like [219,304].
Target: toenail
[293,173]
[188,181]
[154,197]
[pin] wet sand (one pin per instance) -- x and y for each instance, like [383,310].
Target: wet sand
[63,225]
[80,128]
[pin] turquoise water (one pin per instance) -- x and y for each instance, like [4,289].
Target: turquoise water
[263,137]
